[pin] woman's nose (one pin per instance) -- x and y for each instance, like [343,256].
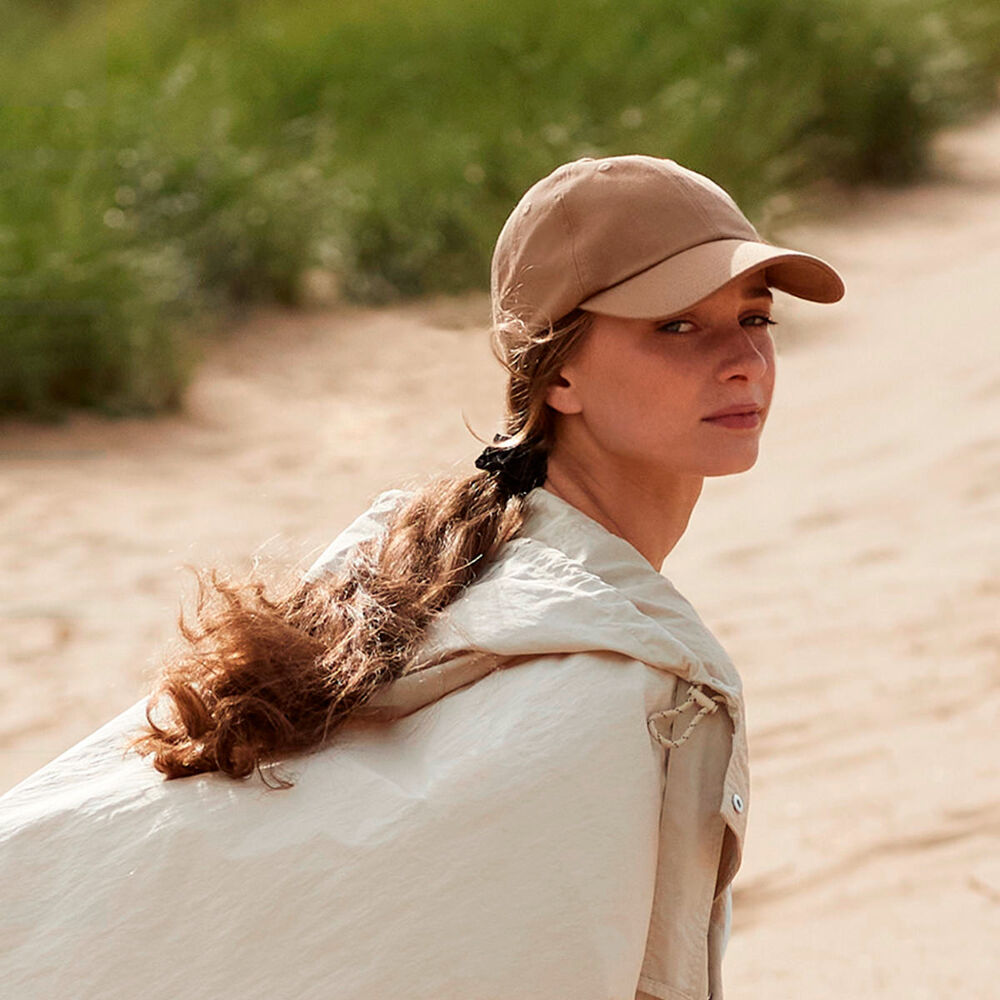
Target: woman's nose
[749,356]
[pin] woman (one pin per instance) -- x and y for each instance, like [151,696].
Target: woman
[513,756]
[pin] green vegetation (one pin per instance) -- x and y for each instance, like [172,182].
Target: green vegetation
[167,163]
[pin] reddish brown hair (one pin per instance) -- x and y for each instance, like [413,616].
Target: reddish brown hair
[262,676]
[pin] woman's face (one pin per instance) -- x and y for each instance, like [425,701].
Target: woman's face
[644,395]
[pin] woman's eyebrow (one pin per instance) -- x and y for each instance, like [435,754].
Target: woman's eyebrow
[760,293]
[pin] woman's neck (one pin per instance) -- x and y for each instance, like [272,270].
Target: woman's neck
[650,513]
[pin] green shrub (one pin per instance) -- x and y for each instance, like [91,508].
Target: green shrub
[164,163]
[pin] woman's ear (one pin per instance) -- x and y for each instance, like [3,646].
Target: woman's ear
[562,396]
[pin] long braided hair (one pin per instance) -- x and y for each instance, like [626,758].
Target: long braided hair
[264,675]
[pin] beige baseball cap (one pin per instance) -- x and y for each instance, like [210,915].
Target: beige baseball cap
[634,236]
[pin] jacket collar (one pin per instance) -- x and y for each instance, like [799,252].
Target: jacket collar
[567,584]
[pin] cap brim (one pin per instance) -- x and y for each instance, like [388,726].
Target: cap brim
[686,278]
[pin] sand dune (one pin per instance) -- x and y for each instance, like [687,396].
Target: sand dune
[854,574]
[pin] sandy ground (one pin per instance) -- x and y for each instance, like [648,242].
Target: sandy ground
[854,574]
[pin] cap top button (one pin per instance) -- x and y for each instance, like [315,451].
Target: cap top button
[604,168]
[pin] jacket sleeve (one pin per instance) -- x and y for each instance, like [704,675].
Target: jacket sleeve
[499,843]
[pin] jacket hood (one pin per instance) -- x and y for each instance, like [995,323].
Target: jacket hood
[565,584]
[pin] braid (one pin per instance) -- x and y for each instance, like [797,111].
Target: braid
[265,676]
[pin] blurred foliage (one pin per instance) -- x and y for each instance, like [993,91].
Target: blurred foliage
[166,163]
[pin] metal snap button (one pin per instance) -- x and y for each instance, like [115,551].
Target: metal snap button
[737,802]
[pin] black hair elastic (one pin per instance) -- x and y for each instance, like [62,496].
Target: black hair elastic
[519,470]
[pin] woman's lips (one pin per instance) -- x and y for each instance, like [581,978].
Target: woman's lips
[737,421]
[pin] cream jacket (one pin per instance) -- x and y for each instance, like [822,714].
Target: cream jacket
[551,805]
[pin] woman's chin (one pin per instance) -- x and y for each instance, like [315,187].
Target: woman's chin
[730,465]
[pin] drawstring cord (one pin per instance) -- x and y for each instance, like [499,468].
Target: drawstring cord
[696,696]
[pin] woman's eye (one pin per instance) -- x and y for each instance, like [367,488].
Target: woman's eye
[675,326]
[760,320]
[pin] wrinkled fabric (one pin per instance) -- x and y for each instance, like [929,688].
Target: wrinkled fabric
[500,823]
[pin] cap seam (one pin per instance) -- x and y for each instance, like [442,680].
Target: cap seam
[561,200]
[685,187]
